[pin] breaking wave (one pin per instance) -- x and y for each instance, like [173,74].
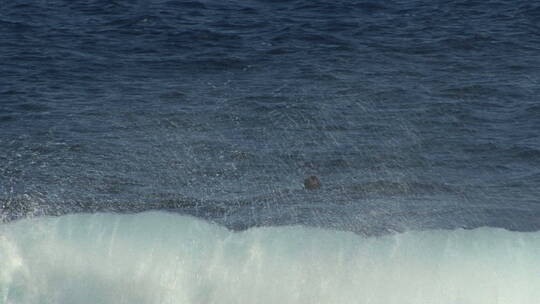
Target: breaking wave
[158,257]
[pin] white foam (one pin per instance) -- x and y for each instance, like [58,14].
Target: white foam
[166,258]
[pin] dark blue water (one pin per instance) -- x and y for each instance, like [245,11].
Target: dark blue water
[413,114]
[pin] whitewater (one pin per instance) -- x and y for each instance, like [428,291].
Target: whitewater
[160,257]
[155,151]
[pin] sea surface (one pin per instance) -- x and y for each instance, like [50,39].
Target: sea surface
[162,146]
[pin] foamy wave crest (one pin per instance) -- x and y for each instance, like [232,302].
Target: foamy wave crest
[166,258]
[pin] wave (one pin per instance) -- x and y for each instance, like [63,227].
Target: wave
[158,257]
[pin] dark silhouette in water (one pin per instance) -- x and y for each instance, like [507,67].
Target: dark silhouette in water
[312,183]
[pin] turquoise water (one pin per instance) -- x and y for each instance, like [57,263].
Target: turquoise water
[165,258]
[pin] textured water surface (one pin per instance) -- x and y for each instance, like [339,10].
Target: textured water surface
[413,114]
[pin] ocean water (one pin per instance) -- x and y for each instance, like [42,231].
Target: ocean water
[161,147]
[166,258]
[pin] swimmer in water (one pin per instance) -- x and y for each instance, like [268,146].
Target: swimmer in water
[312,183]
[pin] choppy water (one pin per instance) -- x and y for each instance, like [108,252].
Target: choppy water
[415,115]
